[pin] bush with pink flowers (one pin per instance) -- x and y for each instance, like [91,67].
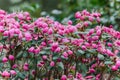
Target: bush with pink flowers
[44,49]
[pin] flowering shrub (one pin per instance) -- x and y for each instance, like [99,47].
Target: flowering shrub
[45,49]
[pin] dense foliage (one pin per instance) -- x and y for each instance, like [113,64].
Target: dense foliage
[46,49]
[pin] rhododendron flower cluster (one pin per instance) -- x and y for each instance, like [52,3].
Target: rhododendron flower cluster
[47,50]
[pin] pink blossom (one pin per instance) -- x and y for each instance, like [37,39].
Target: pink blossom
[52,63]
[54,46]
[4,60]
[70,22]
[5,74]
[98,32]
[77,15]
[118,63]
[6,33]
[44,57]
[89,77]
[57,49]
[11,57]
[50,31]
[31,49]
[28,36]
[109,44]
[114,68]
[91,18]
[36,51]
[13,72]
[86,24]
[84,47]
[25,68]
[1,29]
[70,52]
[2,12]
[64,77]
[91,31]
[14,66]
[65,54]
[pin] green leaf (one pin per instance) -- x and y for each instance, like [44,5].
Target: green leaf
[60,66]
[19,55]
[117,78]
[55,57]
[80,52]
[108,62]
[101,57]
[83,68]
[20,75]
[25,54]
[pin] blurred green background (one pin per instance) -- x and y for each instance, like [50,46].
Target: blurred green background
[63,10]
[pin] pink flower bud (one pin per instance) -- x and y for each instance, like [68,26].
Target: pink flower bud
[64,77]
[109,53]
[5,74]
[78,76]
[14,66]
[20,35]
[70,52]
[45,30]
[31,49]
[91,18]
[25,68]
[82,18]
[91,70]
[65,55]
[4,60]
[86,24]
[6,33]
[2,12]
[109,44]
[72,29]
[36,51]
[89,77]
[1,29]
[25,26]
[70,22]
[77,15]
[43,44]
[85,12]
[44,25]
[39,65]
[33,72]
[65,40]
[20,16]
[98,19]
[114,68]
[44,57]
[98,32]
[84,47]
[50,31]
[52,63]
[118,63]
[54,46]
[13,72]
[28,36]
[11,57]
[26,14]
[1,47]
[94,45]
[91,31]
[26,64]
[57,50]
[17,31]
[95,38]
